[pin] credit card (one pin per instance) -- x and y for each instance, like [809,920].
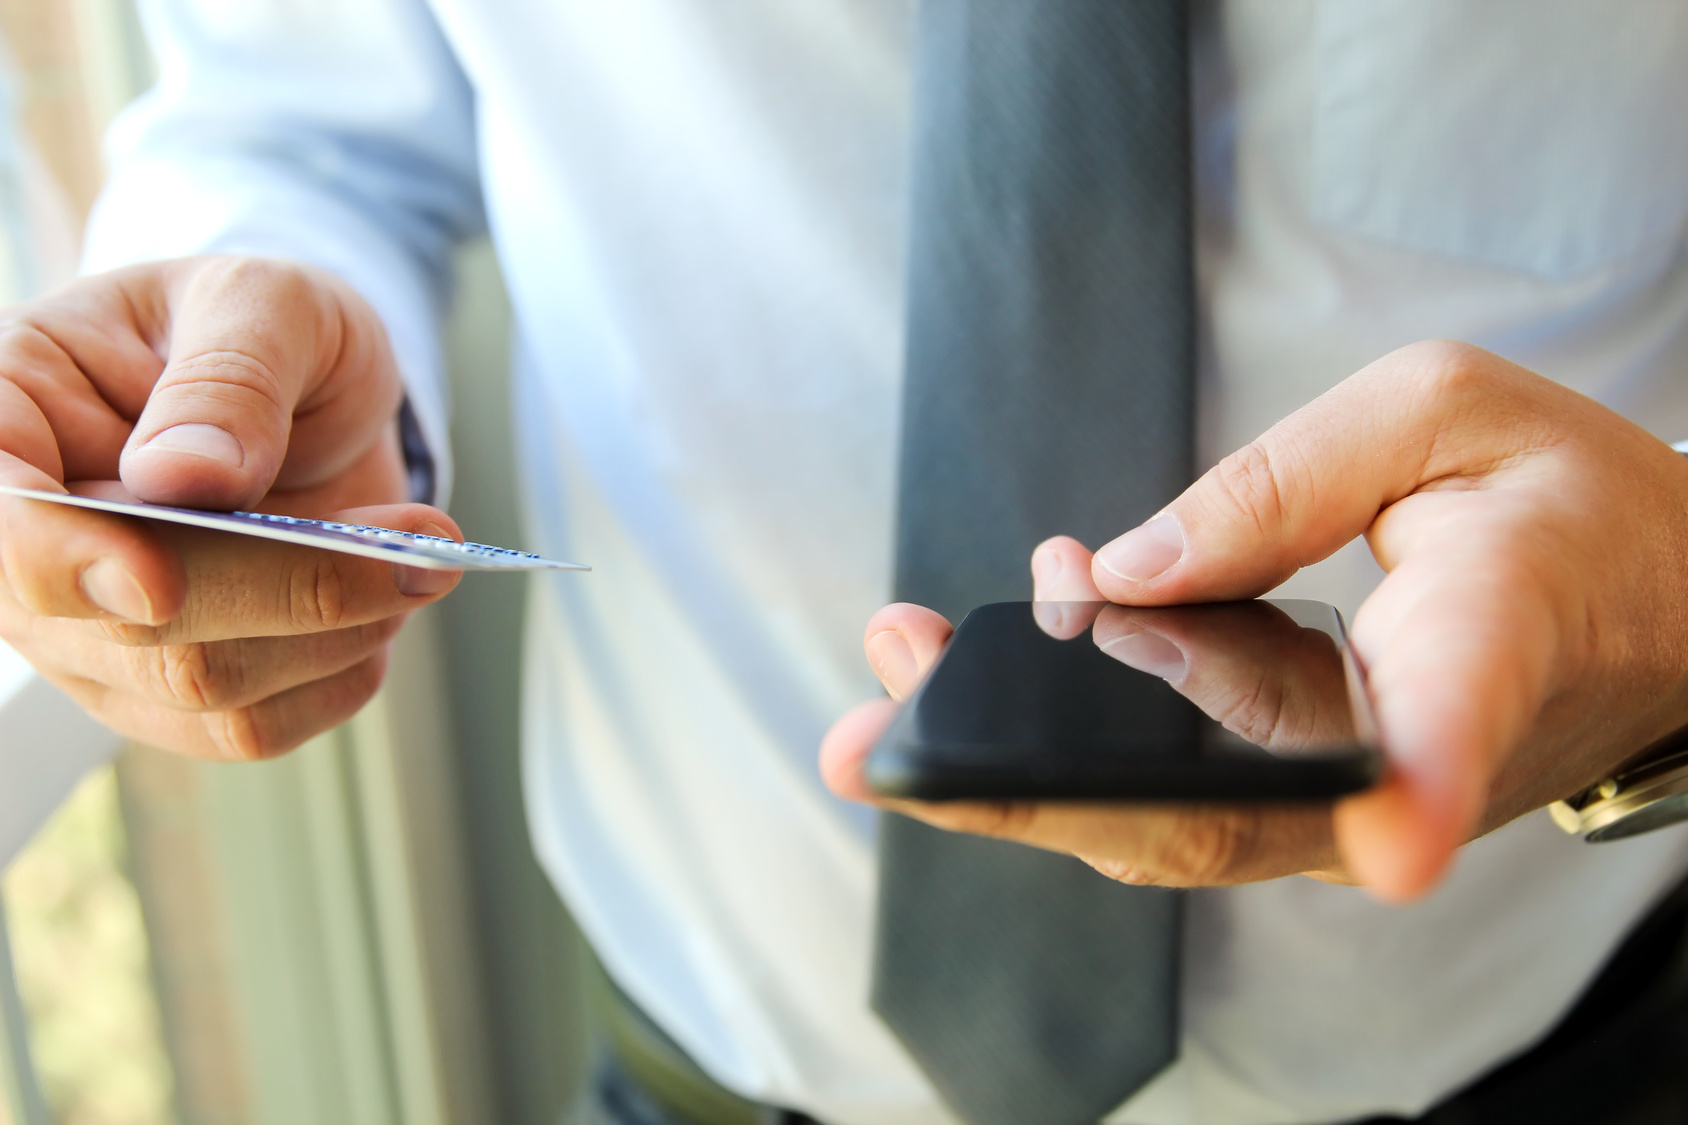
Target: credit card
[430,552]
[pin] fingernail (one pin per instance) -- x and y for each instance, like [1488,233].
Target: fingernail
[199,439]
[1151,653]
[416,581]
[1063,620]
[1046,570]
[892,659]
[1051,617]
[109,585]
[1144,552]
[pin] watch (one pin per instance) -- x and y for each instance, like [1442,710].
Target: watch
[1649,795]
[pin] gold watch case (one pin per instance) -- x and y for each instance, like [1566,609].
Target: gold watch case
[1652,795]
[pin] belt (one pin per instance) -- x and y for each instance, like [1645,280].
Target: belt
[663,1072]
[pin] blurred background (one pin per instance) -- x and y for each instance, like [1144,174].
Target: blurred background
[357,933]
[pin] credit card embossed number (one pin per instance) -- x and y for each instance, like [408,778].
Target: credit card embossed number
[426,551]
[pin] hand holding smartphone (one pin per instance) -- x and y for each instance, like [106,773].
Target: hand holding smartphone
[1236,702]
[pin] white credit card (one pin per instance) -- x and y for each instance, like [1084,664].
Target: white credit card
[426,551]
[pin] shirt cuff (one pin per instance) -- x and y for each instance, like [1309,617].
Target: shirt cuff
[419,465]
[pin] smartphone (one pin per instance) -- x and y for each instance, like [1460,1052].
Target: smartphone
[1238,701]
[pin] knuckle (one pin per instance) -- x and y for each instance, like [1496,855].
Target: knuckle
[1006,819]
[1439,371]
[270,279]
[1119,870]
[129,635]
[234,369]
[264,282]
[316,596]
[1208,848]
[198,676]
[1255,708]
[24,339]
[275,726]
[1252,483]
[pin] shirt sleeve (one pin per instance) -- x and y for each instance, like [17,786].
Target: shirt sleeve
[341,135]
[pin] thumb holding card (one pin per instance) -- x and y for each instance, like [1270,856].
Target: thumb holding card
[274,376]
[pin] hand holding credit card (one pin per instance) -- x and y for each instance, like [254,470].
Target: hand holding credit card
[179,396]
[426,551]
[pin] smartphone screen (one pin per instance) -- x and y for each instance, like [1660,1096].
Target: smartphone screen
[1240,701]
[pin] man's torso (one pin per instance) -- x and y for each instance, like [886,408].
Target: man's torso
[700,210]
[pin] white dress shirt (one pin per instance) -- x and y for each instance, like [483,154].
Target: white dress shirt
[699,207]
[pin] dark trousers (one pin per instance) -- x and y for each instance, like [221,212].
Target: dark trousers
[1619,1058]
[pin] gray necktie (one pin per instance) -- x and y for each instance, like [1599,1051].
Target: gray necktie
[1049,390]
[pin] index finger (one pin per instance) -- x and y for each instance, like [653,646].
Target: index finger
[238,586]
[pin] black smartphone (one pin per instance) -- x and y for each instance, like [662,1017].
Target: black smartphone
[1237,701]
